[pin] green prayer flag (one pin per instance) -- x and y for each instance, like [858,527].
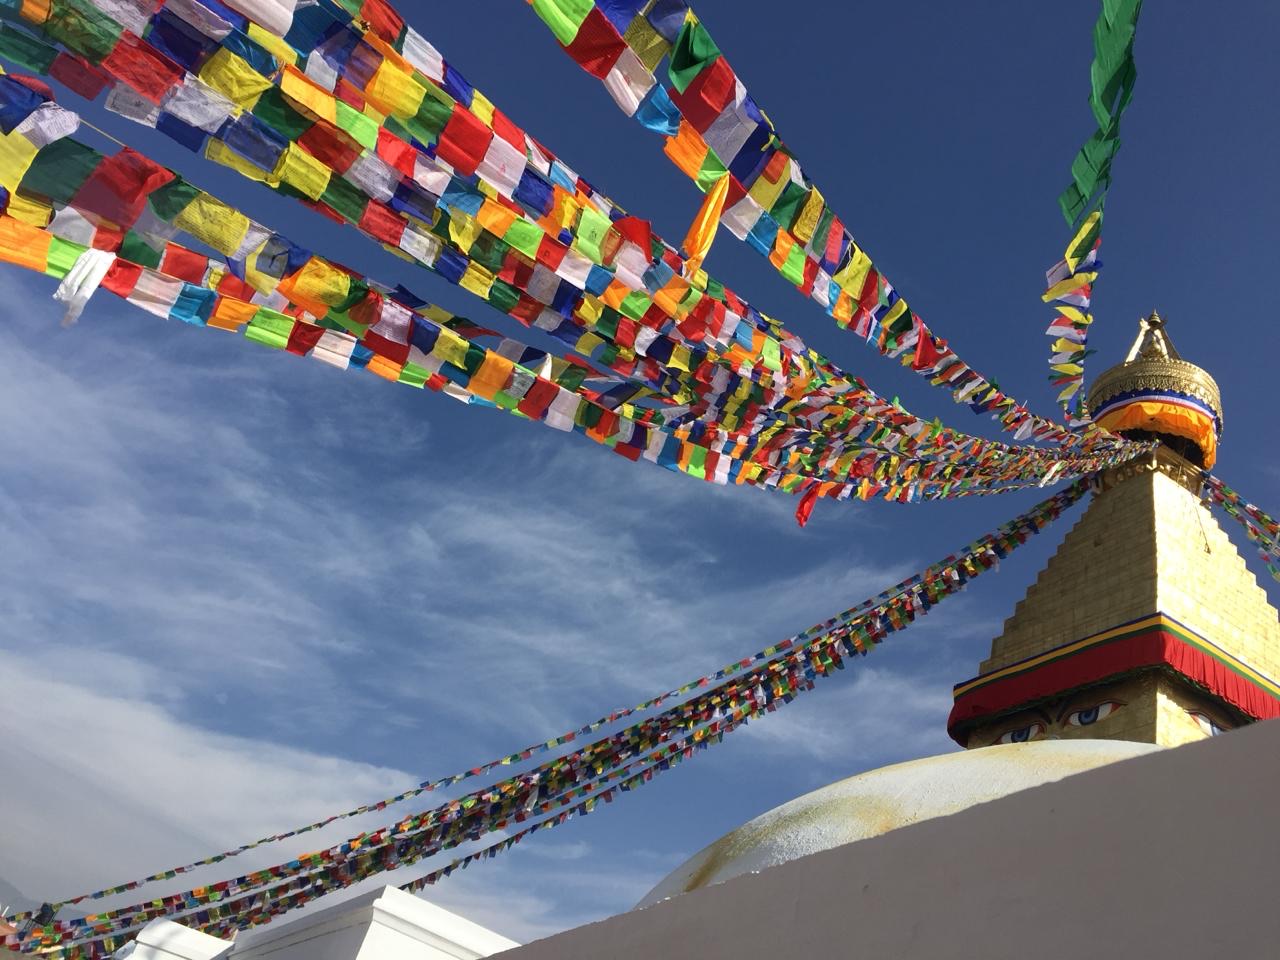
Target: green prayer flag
[276,112]
[59,169]
[172,198]
[503,296]
[432,115]
[62,254]
[363,130]
[564,17]
[136,250]
[345,198]
[25,50]
[793,268]
[712,169]
[269,328]
[592,228]
[694,51]
[82,28]
[524,236]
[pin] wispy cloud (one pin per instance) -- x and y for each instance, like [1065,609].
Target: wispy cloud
[241,590]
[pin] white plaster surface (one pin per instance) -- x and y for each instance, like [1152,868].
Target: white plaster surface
[878,801]
[387,924]
[166,940]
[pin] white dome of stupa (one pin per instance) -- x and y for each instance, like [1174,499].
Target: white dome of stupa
[872,803]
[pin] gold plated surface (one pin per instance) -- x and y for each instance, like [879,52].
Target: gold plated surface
[1145,544]
[1154,364]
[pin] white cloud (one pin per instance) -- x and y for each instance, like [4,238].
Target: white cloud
[242,591]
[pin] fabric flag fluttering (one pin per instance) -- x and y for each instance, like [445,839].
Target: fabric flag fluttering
[713,129]
[1261,529]
[1070,282]
[247,243]
[557,789]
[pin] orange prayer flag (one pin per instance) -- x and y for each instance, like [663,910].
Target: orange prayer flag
[702,232]
[687,150]
[23,244]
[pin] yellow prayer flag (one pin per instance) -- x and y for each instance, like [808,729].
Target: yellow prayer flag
[317,286]
[233,77]
[29,211]
[477,280]
[274,45]
[590,310]
[16,154]
[1067,285]
[464,230]
[853,274]
[810,213]
[213,222]
[299,88]
[482,107]
[765,191]
[896,311]
[220,153]
[1090,223]
[301,171]
[394,91]
[450,348]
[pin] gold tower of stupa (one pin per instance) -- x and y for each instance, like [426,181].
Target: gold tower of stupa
[1146,625]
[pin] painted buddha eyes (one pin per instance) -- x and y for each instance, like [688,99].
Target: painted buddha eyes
[1089,715]
[1022,734]
[1210,728]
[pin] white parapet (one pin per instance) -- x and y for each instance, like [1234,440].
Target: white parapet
[386,924]
[166,940]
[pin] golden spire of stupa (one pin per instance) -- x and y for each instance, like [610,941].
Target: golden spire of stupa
[1146,625]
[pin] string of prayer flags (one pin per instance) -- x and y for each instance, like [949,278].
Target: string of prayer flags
[1261,529]
[1112,76]
[564,786]
[712,127]
[328,293]
[462,132]
[1069,288]
[1070,282]
[955,568]
[770,451]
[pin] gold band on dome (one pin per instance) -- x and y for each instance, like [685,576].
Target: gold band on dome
[1159,375]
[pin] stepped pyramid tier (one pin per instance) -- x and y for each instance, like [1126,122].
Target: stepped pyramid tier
[1146,625]
[1157,393]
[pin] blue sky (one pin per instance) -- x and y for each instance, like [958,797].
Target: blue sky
[240,591]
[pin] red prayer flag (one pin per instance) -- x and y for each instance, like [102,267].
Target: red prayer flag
[117,189]
[78,75]
[597,46]
[142,68]
[463,141]
[805,508]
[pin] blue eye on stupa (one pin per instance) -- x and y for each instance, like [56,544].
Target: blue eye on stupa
[1088,715]
[1022,734]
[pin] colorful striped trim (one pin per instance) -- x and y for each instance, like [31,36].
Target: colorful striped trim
[1163,396]
[1156,640]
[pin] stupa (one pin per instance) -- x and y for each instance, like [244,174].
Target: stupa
[1146,630]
